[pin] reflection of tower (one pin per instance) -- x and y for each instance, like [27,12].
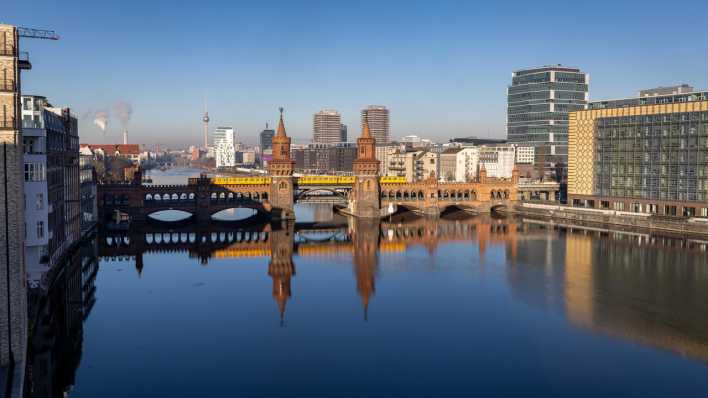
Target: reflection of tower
[281,267]
[205,121]
[365,237]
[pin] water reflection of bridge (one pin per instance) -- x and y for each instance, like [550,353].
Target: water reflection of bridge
[596,278]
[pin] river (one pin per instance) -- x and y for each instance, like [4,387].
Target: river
[331,306]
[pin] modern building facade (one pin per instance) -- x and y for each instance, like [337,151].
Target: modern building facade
[52,184]
[670,90]
[377,117]
[266,138]
[326,127]
[224,147]
[539,101]
[647,154]
[325,158]
[343,133]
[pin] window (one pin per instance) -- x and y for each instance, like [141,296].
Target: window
[40,201]
[34,172]
[40,229]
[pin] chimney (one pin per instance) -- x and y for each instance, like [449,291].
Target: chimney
[125,137]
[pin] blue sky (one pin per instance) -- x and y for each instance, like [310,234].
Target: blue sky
[442,67]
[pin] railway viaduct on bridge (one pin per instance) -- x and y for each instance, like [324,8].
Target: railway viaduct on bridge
[364,195]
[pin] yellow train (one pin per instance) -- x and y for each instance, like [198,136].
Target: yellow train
[241,180]
[326,180]
[304,180]
[392,180]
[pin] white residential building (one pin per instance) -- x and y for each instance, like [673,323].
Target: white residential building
[224,148]
[467,160]
[525,154]
[498,160]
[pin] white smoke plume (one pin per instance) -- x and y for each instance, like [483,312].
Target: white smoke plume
[100,119]
[123,110]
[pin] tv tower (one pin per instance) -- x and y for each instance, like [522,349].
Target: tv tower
[205,119]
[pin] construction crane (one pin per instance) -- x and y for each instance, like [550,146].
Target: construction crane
[37,33]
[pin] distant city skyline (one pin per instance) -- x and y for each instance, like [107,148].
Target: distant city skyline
[447,77]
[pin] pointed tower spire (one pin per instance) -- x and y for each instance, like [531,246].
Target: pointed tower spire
[365,132]
[281,125]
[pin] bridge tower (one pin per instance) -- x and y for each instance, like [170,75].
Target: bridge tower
[281,172]
[281,267]
[365,199]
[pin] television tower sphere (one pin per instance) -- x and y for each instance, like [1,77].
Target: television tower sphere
[205,119]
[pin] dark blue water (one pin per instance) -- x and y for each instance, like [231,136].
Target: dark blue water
[463,307]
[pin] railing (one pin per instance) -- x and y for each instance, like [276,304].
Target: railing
[7,85]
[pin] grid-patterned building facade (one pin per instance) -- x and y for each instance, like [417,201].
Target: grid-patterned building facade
[539,101]
[646,154]
[327,127]
[377,117]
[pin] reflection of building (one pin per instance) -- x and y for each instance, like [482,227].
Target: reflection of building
[281,267]
[643,288]
[56,343]
[365,235]
[644,155]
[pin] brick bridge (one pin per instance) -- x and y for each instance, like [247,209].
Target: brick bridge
[364,195]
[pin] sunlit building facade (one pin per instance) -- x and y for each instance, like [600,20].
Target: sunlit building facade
[646,155]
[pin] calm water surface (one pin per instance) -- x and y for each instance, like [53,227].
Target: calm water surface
[409,307]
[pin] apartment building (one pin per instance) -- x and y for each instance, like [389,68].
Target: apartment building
[52,184]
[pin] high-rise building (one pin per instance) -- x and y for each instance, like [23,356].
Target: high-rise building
[266,138]
[647,154]
[343,133]
[539,101]
[326,127]
[224,147]
[379,125]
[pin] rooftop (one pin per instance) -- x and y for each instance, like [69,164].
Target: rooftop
[127,149]
[545,68]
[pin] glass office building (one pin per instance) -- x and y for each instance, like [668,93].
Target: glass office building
[539,101]
[647,154]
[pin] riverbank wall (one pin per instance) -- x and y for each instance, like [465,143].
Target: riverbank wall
[649,222]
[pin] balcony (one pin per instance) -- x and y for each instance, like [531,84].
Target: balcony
[7,85]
